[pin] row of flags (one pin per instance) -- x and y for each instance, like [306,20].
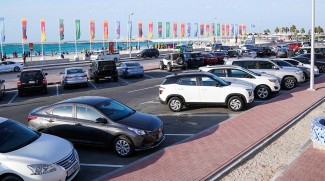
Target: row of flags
[199,29]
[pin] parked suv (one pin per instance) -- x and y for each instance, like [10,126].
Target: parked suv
[194,59]
[183,89]
[152,52]
[263,85]
[173,60]
[30,80]
[100,69]
[287,76]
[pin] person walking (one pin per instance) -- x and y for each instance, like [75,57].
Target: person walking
[24,60]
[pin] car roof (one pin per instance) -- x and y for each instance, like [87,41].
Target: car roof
[73,68]
[2,119]
[89,100]
[187,74]
[31,70]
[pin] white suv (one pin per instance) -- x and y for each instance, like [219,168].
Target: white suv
[263,84]
[287,76]
[203,88]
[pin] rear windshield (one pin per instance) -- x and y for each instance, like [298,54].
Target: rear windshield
[74,71]
[106,64]
[31,75]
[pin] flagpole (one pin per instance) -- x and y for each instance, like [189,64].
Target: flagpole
[22,44]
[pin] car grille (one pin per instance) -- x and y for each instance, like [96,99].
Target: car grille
[155,134]
[68,161]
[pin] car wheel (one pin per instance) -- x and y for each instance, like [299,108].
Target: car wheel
[11,178]
[184,66]
[16,69]
[65,86]
[86,84]
[115,60]
[44,91]
[123,146]
[20,93]
[141,75]
[144,56]
[262,92]
[96,79]
[2,92]
[289,83]
[161,66]
[322,69]
[156,56]
[175,104]
[235,103]
[169,67]
[115,79]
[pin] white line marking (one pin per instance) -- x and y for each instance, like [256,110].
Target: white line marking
[92,85]
[101,165]
[124,81]
[57,89]
[179,134]
[150,102]
[149,76]
[143,89]
[13,98]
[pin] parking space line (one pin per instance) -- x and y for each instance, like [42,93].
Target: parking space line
[179,134]
[57,89]
[149,76]
[101,165]
[124,81]
[92,84]
[150,102]
[144,89]
[13,98]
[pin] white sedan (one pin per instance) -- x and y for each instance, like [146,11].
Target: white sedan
[9,66]
[29,155]
[74,76]
[127,69]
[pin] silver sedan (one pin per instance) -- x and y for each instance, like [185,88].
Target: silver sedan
[74,76]
[127,69]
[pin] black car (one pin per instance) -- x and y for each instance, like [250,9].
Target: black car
[31,80]
[99,121]
[2,88]
[103,69]
[319,64]
[151,52]
[318,56]
[194,59]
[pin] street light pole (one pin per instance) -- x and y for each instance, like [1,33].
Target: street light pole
[312,52]
[129,34]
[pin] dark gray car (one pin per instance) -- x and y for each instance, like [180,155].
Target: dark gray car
[100,121]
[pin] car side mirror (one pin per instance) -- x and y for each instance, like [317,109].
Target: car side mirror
[101,120]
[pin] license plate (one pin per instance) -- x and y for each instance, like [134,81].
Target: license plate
[73,169]
[31,82]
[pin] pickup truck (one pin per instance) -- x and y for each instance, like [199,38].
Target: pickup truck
[105,55]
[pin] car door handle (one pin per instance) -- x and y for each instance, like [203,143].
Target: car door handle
[78,124]
[49,120]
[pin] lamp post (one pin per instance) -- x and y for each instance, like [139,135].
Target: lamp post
[214,35]
[129,34]
[312,52]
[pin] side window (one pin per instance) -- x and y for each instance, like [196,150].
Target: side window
[238,73]
[168,57]
[292,62]
[175,56]
[87,113]
[207,81]
[251,65]
[219,72]
[265,65]
[239,63]
[63,111]
[190,81]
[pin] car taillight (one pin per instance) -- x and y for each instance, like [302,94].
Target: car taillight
[19,83]
[68,77]
[30,118]
[161,90]
[44,81]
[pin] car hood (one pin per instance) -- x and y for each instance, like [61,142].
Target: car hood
[142,121]
[45,150]
[241,85]
[291,68]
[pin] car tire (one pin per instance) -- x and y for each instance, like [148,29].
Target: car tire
[169,67]
[16,69]
[123,147]
[185,66]
[262,92]
[11,178]
[86,84]
[175,104]
[156,56]
[141,75]
[144,56]
[289,83]
[322,69]
[115,79]
[65,86]
[96,79]
[179,61]
[161,66]
[2,92]
[115,60]
[235,103]
[20,93]
[44,91]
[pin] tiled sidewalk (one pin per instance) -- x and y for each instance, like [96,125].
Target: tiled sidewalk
[208,152]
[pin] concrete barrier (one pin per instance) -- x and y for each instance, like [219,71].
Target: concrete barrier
[45,62]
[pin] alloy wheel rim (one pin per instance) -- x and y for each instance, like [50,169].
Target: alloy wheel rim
[262,93]
[235,104]
[175,105]
[289,83]
[122,147]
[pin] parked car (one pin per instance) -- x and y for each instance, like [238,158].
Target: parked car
[203,88]
[283,63]
[10,66]
[263,85]
[31,80]
[2,88]
[287,76]
[105,55]
[172,61]
[306,60]
[232,54]
[151,52]
[220,56]
[318,57]
[33,156]
[103,69]
[193,59]
[127,69]
[294,46]
[99,121]
[282,53]
[248,53]
[74,76]
[213,47]
[209,59]
[301,63]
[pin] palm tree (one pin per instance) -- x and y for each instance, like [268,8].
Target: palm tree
[293,29]
[277,30]
[302,30]
[267,31]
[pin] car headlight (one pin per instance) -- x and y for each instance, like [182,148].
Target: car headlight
[41,169]
[273,80]
[308,70]
[137,131]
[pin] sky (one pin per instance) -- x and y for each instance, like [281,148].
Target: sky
[263,14]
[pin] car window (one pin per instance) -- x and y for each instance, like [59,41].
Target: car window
[292,62]
[74,71]
[219,72]
[251,65]
[190,81]
[237,73]
[239,63]
[87,113]
[207,81]
[114,110]
[175,56]
[63,111]
[265,65]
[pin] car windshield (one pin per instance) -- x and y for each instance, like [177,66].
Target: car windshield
[132,64]
[104,64]
[251,72]
[14,136]
[114,110]
[220,80]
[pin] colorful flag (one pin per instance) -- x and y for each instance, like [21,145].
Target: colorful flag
[105,29]
[150,33]
[223,29]
[240,30]
[140,33]
[130,29]
[196,29]
[24,29]
[244,30]
[78,33]
[207,29]
[218,29]
[159,29]
[232,29]
[43,33]
[227,29]
[118,30]
[182,30]
[213,29]
[92,29]
[175,30]
[61,29]
[188,29]
[236,29]
[167,29]
[201,29]
[2,29]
